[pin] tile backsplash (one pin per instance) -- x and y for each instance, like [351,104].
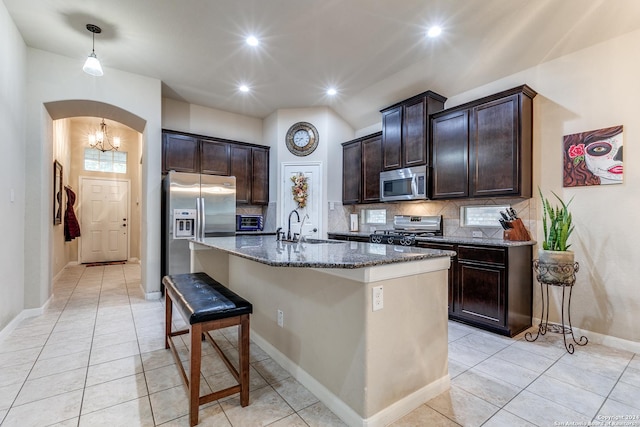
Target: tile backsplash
[449,209]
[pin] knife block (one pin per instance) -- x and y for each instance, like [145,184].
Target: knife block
[518,232]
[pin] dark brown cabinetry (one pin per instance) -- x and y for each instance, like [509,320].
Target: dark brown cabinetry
[450,152]
[361,167]
[490,287]
[405,130]
[215,156]
[346,237]
[452,268]
[180,153]
[240,167]
[484,148]
[260,176]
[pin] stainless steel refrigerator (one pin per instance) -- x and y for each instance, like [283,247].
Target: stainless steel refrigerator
[195,206]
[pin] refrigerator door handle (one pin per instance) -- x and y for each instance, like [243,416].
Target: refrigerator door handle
[198,230]
[202,218]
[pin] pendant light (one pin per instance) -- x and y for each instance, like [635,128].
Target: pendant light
[100,139]
[92,65]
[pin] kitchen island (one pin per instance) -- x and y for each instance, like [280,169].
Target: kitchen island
[369,367]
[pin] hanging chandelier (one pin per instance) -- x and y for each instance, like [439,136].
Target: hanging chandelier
[92,64]
[100,139]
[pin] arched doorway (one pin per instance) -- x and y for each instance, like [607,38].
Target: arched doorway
[72,118]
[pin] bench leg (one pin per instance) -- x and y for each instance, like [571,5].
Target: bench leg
[243,345]
[168,312]
[194,372]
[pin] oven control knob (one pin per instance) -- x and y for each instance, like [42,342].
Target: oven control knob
[375,239]
[390,240]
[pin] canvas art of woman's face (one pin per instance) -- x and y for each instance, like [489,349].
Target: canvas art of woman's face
[604,159]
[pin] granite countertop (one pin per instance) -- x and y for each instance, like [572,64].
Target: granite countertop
[451,239]
[328,254]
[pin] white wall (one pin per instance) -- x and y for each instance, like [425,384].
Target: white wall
[184,117]
[12,173]
[332,131]
[65,80]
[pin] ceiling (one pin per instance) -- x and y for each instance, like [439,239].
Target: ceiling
[374,52]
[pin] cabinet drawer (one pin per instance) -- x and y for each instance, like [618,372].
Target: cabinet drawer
[482,254]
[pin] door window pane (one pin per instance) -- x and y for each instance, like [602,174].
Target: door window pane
[108,161]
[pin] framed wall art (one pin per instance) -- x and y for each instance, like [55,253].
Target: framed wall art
[57,193]
[593,157]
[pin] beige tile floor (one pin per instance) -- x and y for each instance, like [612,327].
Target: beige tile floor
[96,357]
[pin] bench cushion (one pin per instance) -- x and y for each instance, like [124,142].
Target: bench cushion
[202,299]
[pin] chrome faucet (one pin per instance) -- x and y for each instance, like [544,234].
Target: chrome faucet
[289,223]
[304,218]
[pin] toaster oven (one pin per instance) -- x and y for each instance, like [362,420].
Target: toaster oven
[249,223]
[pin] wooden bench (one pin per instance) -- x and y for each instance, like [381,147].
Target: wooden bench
[207,305]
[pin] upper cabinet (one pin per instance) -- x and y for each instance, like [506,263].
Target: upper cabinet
[405,130]
[214,156]
[484,148]
[361,167]
[180,153]
[260,175]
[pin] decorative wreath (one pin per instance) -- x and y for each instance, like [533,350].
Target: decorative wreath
[299,189]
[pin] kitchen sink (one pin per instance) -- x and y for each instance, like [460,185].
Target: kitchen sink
[320,241]
[314,241]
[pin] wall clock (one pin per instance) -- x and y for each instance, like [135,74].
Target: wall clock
[302,139]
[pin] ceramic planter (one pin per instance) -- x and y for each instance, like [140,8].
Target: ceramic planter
[556,267]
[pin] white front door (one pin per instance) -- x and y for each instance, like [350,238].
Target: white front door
[312,226]
[104,213]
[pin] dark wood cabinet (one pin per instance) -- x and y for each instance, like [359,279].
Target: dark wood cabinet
[361,167]
[496,145]
[490,287]
[260,176]
[348,237]
[249,163]
[351,172]
[180,153]
[214,157]
[240,167]
[484,148]
[405,130]
[392,138]
[450,155]
[452,269]
[371,168]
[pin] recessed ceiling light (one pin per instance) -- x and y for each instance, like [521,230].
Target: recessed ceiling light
[434,31]
[244,88]
[331,91]
[252,41]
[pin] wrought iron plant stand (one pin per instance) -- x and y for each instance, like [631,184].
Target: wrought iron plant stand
[564,275]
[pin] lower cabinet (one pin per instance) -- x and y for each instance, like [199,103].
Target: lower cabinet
[490,287]
[347,237]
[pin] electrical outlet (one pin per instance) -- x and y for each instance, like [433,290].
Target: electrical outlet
[477,234]
[281,318]
[377,298]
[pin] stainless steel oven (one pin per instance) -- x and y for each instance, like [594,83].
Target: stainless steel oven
[404,184]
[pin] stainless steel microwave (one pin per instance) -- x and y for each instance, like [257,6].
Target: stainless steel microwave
[404,184]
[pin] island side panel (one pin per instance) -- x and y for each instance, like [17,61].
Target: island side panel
[324,322]
[214,262]
[407,342]
[369,360]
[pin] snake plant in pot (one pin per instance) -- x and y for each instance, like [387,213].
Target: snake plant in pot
[557,226]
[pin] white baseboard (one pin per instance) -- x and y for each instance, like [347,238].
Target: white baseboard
[150,295]
[24,314]
[395,411]
[597,338]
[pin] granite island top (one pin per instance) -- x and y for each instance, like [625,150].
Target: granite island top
[449,239]
[317,253]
